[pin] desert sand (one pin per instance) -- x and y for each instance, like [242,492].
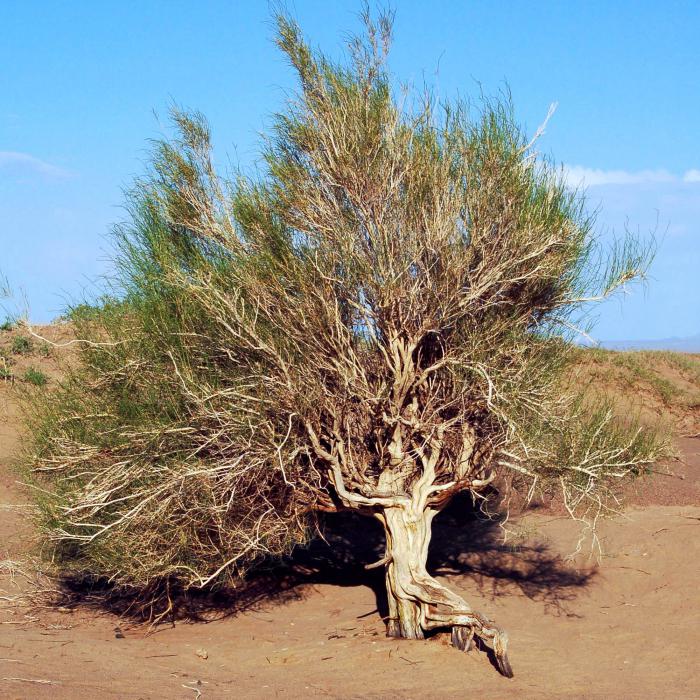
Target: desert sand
[626,626]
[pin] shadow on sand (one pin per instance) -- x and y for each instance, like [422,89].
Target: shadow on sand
[464,544]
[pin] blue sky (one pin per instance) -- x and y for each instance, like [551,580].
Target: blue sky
[81,81]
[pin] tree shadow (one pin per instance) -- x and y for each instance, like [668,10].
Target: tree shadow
[468,544]
[465,544]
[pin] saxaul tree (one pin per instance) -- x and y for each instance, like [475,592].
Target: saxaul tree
[379,321]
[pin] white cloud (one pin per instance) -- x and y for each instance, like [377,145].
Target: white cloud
[22,162]
[591,177]
[578,175]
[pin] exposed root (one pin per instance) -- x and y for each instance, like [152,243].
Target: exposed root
[462,637]
[418,602]
[382,562]
[440,607]
[393,628]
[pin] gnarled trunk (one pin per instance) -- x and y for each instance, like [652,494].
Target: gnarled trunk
[417,601]
[407,541]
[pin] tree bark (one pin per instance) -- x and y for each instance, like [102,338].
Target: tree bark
[417,601]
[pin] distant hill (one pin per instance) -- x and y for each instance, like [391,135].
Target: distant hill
[689,344]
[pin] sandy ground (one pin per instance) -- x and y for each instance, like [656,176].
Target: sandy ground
[627,628]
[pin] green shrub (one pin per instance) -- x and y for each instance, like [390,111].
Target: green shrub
[377,324]
[7,325]
[35,376]
[21,345]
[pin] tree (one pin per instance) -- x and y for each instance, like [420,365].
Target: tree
[379,322]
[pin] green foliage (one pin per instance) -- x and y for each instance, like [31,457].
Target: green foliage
[35,377]
[21,345]
[7,325]
[393,296]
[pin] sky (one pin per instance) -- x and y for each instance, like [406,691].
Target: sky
[85,85]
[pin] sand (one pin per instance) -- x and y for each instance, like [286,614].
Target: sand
[627,627]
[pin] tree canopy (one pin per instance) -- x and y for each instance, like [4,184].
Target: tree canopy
[380,320]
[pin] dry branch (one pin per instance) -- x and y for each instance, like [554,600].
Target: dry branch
[380,322]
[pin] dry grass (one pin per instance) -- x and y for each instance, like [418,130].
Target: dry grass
[663,387]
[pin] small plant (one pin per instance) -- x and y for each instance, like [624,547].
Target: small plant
[44,349]
[4,369]
[7,325]
[35,377]
[21,345]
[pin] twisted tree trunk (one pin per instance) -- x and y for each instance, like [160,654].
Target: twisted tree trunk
[417,601]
